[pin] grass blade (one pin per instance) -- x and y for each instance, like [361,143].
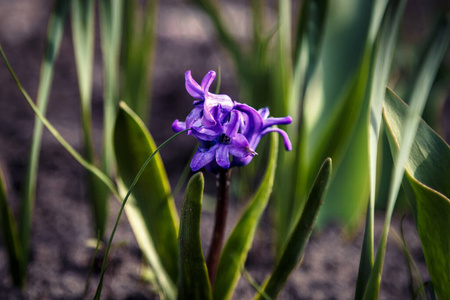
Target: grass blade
[381,64]
[138,46]
[53,40]
[240,240]
[110,29]
[193,282]
[82,16]
[302,231]
[11,237]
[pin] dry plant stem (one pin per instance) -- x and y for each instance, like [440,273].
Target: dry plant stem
[223,191]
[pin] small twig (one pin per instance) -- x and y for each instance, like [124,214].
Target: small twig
[223,191]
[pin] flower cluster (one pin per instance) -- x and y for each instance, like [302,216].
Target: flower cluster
[225,127]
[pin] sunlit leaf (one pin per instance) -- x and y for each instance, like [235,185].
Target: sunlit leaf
[153,204]
[428,190]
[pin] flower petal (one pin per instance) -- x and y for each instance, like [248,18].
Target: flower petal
[240,147]
[207,81]
[194,115]
[205,134]
[264,112]
[192,87]
[202,157]
[277,121]
[222,156]
[232,126]
[178,126]
[286,140]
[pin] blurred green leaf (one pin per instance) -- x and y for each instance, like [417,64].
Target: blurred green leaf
[240,240]
[153,204]
[11,237]
[378,77]
[53,40]
[83,29]
[309,39]
[193,282]
[138,47]
[426,184]
[407,132]
[302,231]
[111,30]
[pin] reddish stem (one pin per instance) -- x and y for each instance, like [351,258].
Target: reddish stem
[223,192]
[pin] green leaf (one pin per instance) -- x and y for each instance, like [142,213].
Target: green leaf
[138,47]
[11,237]
[83,29]
[302,231]
[240,241]
[381,63]
[53,40]
[193,282]
[407,131]
[427,188]
[153,204]
[110,29]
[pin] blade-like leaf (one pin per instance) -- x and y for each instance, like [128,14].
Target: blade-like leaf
[110,29]
[10,237]
[427,188]
[381,63]
[53,41]
[407,132]
[83,29]
[153,203]
[138,45]
[238,244]
[299,238]
[193,282]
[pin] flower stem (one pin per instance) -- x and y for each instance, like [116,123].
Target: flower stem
[223,191]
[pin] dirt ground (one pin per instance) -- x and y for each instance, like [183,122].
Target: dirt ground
[60,258]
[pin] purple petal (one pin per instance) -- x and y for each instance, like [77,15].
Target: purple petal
[232,126]
[194,115]
[207,81]
[286,140]
[202,157]
[264,112]
[192,87]
[178,126]
[205,134]
[239,147]
[277,121]
[222,157]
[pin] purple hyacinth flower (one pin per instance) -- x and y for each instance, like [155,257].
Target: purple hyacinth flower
[209,100]
[255,124]
[217,145]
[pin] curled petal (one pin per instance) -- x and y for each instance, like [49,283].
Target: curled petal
[286,140]
[193,87]
[207,81]
[222,157]
[178,126]
[277,121]
[232,126]
[202,157]
[240,147]
[194,115]
[264,112]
